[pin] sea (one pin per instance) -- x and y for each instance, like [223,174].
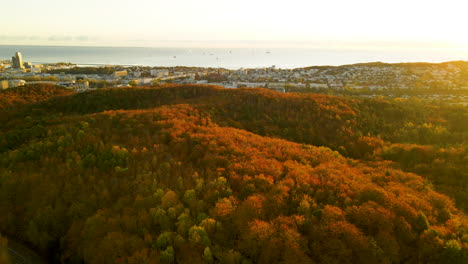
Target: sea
[235,58]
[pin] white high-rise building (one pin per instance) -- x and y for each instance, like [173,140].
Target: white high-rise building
[17,61]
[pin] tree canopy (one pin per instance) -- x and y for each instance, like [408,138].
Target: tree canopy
[200,174]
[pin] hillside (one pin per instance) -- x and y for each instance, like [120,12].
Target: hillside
[426,138]
[203,174]
[14,97]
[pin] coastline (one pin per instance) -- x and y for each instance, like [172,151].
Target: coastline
[229,58]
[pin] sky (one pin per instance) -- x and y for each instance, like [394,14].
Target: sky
[237,23]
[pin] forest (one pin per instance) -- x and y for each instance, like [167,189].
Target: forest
[86,70]
[4,256]
[203,174]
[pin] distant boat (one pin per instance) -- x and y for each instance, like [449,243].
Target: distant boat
[175,57]
[268,52]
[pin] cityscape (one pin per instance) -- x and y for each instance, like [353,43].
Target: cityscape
[369,76]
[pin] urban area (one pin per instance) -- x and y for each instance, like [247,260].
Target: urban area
[365,76]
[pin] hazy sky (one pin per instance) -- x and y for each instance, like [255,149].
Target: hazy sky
[221,23]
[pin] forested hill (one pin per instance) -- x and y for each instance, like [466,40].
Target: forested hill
[193,174]
[15,97]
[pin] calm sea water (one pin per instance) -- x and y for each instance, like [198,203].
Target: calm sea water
[225,58]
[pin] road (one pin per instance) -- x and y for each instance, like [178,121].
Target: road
[20,254]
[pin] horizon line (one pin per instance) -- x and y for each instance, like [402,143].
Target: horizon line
[244,44]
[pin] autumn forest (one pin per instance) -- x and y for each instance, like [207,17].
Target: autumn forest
[203,174]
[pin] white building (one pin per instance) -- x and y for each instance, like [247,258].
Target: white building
[16,83]
[240,72]
[82,85]
[120,73]
[146,81]
[17,61]
[36,70]
[159,73]
[318,85]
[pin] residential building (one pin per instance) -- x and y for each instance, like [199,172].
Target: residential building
[120,73]
[16,83]
[17,61]
[318,85]
[82,84]
[159,73]
[36,70]
[145,81]
[4,85]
